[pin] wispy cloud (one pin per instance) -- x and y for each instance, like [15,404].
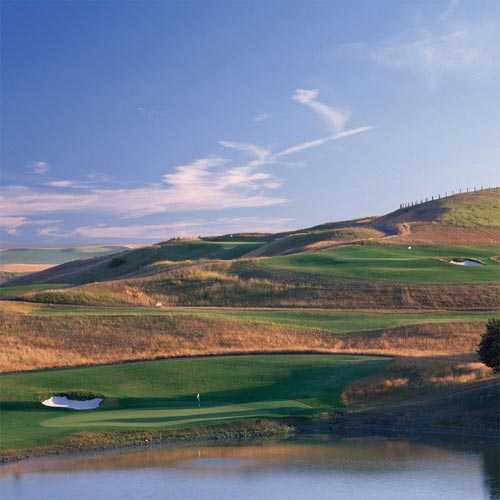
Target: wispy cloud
[61,184]
[156,232]
[319,142]
[205,184]
[11,224]
[334,118]
[447,46]
[260,153]
[40,167]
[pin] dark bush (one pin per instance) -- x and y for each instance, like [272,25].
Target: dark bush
[489,347]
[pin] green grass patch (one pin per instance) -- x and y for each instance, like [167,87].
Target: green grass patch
[162,394]
[19,290]
[332,321]
[348,321]
[396,263]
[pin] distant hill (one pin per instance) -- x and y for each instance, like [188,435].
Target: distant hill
[461,219]
[54,256]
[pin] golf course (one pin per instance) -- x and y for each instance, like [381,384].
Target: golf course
[250,335]
[162,394]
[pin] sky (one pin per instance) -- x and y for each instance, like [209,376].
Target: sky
[126,122]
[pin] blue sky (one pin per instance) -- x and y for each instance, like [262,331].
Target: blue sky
[139,121]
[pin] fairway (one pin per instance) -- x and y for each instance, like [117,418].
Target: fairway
[162,394]
[172,418]
[396,263]
[328,320]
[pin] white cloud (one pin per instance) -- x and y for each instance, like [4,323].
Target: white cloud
[335,118]
[11,224]
[40,167]
[205,184]
[61,184]
[465,52]
[319,142]
[212,183]
[156,232]
[259,152]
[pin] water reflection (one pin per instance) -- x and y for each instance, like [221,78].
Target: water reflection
[342,468]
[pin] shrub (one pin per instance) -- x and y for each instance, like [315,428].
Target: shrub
[489,347]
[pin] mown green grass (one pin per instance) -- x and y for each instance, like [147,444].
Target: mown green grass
[332,321]
[163,393]
[396,263]
[17,290]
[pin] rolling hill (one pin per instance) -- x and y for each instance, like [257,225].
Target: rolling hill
[467,218]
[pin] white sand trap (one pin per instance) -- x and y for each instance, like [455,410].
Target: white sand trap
[73,404]
[466,262]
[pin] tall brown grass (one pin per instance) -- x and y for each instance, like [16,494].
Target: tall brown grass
[423,375]
[28,341]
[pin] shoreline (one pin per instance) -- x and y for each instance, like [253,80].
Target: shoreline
[339,426]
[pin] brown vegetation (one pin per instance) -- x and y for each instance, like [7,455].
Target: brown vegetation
[409,376]
[243,284]
[34,342]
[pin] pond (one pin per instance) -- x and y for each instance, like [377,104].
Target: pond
[323,468]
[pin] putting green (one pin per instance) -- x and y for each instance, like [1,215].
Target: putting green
[176,417]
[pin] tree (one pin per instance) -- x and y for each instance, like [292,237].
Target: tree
[489,347]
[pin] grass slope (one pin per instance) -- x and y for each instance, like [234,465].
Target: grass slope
[145,258]
[162,394]
[396,263]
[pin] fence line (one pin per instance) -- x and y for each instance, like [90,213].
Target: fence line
[474,189]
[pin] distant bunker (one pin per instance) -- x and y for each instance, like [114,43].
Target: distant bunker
[466,262]
[71,403]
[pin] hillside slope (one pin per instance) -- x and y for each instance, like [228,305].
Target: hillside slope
[465,218]
[461,219]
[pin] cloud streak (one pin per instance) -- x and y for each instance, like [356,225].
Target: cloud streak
[205,184]
[156,232]
[333,117]
[319,142]
[467,52]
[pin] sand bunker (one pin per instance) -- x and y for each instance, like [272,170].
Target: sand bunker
[466,262]
[73,404]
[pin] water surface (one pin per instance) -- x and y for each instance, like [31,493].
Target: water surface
[365,468]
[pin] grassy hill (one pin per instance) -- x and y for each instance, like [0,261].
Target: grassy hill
[147,259]
[348,264]
[465,218]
